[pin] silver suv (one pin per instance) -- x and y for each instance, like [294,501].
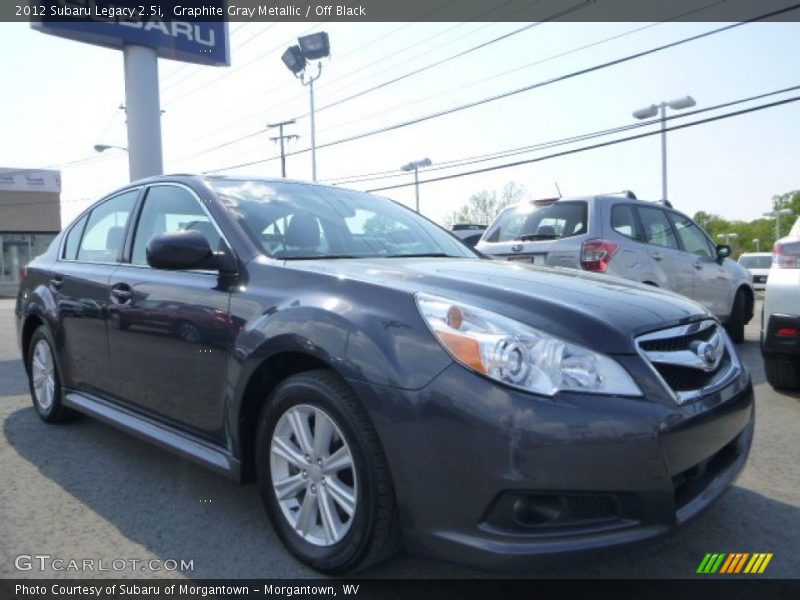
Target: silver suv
[619,235]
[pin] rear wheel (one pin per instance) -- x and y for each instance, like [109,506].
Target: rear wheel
[782,373]
[323,476]
[736,322]
[44,379]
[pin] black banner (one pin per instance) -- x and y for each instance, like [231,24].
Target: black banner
[398,10]
[730,588]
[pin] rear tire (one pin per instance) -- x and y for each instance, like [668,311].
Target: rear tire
[370,532]
[44,379]
[782,373]
[736,322]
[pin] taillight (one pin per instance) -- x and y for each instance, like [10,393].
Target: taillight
[596,254]
[23,273]
[786,254]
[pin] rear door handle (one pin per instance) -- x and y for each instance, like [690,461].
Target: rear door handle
[121,293]
[656,255]
[56,283]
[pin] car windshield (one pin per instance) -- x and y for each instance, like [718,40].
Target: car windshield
[297,221]
[756,262]
[539,222]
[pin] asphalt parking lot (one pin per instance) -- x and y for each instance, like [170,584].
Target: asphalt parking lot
[86,491]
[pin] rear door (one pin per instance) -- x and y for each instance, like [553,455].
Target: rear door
[169,333]
[662,247]
[712,282]
[80,284]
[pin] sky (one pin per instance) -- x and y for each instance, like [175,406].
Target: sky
[62,97]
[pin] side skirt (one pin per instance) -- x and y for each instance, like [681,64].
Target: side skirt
[181,443]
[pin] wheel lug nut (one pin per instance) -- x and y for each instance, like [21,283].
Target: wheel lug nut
[308,458]
[313,489]
[305,474]
[319,462]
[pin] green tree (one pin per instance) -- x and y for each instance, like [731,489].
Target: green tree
[482,207]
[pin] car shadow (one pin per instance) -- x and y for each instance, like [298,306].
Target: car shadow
[178,510]
[13,381]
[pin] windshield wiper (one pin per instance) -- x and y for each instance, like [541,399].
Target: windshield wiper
[529,237]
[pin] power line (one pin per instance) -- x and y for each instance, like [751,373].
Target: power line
[443,165]
[594,146]
[520,90]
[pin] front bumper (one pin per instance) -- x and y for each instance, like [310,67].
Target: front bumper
[464,452]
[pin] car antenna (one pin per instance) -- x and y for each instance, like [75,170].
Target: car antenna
[558,189]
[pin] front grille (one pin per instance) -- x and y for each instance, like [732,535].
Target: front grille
[673,344]
[690,359]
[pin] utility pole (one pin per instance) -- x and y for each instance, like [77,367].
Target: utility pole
[280,137]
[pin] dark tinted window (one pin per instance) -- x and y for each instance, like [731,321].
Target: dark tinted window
[105,231]
[170,208]
[532,221]
[657,229]
[74,238]
[623,221]
[296,221]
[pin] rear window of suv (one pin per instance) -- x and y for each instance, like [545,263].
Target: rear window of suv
[539,222]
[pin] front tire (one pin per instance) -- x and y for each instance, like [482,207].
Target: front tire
[782,373]
[44,379]
[323,476]
[736,322]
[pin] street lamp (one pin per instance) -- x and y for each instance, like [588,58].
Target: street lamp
[653,110]
[315,46]
[104,147]
[757,242]
[415,166]
[728,237]
[777,214]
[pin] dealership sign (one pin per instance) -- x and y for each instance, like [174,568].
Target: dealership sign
[115,25]
[30,180]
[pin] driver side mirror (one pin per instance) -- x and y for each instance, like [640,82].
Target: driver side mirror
[723,252]
[182,251]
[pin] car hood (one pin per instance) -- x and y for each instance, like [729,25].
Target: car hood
[600,312]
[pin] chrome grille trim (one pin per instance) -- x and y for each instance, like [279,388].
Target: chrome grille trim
[708,350]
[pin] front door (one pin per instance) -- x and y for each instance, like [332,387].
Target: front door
[169,330]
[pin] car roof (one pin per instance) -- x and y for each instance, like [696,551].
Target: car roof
[755,254]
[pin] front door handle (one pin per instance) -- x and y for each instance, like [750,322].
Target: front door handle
[121,293]
[656,255]
[56,283]
[698,265]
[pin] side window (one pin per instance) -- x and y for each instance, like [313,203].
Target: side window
[170,208]
[104,236]
[692,237]
[74,238]
[623,221]
[657,229]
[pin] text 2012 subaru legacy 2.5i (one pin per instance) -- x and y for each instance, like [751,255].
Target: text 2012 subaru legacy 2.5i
[381,382]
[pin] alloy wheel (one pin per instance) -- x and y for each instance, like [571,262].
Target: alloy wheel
[313,475]
[43,375]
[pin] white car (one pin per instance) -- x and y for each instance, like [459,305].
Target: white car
[758,263]
[780,325]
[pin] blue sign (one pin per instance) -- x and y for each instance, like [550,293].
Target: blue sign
[124,23]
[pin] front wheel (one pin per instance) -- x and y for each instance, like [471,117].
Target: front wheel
[323,476]
[736,321]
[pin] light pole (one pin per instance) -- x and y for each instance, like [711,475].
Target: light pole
[650,112]
[757,242]
[104,147]
[728,237]
[415,166]
[777,214]
[315,46]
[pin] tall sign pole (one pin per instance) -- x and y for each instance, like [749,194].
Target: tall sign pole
[143,111]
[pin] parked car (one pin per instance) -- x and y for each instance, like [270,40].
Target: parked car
[621,236]
[469,233]
[758,264]
[380,381]
[780,322]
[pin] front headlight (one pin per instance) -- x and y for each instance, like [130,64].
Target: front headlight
[519,355]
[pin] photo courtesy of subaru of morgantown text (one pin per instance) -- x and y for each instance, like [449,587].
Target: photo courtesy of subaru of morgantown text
[311,299]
